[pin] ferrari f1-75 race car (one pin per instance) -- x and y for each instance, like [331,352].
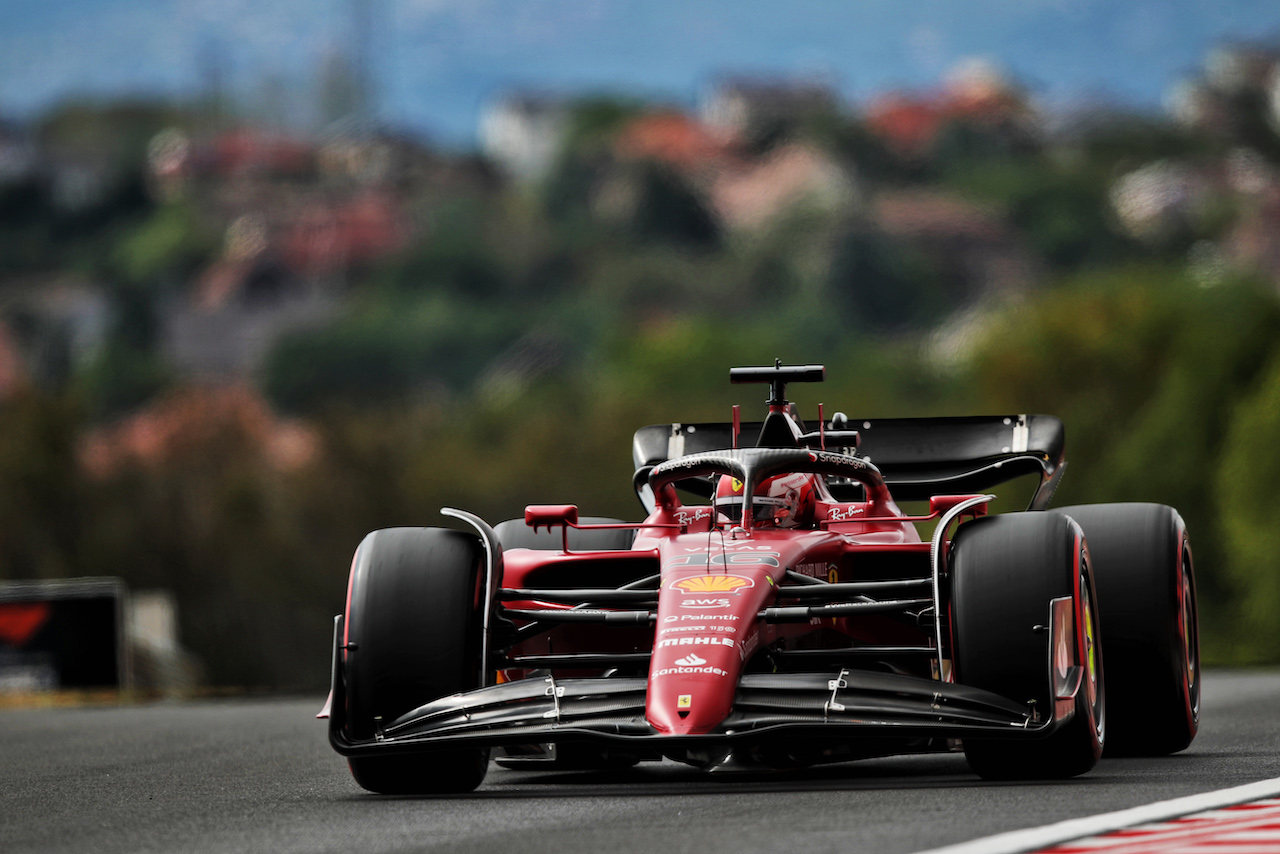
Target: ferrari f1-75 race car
[789,614]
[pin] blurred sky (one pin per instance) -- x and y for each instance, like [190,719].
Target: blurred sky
[438,61]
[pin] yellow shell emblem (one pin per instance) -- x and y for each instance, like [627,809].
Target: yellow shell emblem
[713,583]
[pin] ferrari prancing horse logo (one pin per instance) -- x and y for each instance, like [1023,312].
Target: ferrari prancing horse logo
[713,583]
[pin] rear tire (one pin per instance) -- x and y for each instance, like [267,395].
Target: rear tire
[1004,571]
[1147,596]
[413,635]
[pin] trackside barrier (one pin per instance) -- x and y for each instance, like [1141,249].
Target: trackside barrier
[63,634]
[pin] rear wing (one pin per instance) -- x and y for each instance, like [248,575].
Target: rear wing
[918,457]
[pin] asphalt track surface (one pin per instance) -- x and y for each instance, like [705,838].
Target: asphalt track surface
[258,775]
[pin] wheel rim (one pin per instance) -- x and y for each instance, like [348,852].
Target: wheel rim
[1090,647]
[1190,638]
[1091,656]
[1188,648]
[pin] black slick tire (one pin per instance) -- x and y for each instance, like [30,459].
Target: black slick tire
[1147,596]
[1004,571]
[413,632]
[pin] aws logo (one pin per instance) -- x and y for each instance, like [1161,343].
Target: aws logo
[712,584]
[700,603]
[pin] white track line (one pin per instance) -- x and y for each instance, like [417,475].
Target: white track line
[1034,838]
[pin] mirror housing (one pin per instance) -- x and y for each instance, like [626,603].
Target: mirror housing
[940,504]
[549,515]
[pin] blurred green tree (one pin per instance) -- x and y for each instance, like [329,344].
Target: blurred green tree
[1244,484]
[1062,210]
[884,285]
[1146,370]
[41,495]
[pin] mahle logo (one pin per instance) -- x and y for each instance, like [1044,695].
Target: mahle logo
[713,584]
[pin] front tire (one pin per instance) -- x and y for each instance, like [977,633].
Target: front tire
[1146,585]
[412,635]
[1004,572]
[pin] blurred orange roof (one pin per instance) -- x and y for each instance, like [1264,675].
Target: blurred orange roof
[911,122]
[907,122]
[247,150]
[327,237]
[672,138]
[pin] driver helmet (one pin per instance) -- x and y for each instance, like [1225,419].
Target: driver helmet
[782,501]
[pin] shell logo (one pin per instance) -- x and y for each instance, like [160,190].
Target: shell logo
[712,583]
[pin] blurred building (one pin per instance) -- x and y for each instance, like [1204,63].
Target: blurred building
[739,106]
[788,177]
[975,93]
[523,133]
[1236,82]
[227,328]
[18,157]
[1162,198]
[743,191]
[1236,68]
[299,216]
[53,325]
[980,252]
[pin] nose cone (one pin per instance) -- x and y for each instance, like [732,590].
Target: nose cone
[693,692]
[704,620]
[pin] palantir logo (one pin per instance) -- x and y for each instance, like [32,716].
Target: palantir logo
[691,660]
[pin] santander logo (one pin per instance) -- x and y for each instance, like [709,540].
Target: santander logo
[691,660]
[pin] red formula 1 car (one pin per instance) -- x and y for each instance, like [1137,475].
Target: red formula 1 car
[792,615]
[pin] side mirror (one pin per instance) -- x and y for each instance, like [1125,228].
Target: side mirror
[549,515]
[940,504]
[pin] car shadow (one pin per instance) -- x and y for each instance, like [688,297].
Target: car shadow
[905,773]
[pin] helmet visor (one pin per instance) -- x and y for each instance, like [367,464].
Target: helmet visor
[763,508]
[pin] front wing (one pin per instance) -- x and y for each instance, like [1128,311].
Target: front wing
[767,706]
